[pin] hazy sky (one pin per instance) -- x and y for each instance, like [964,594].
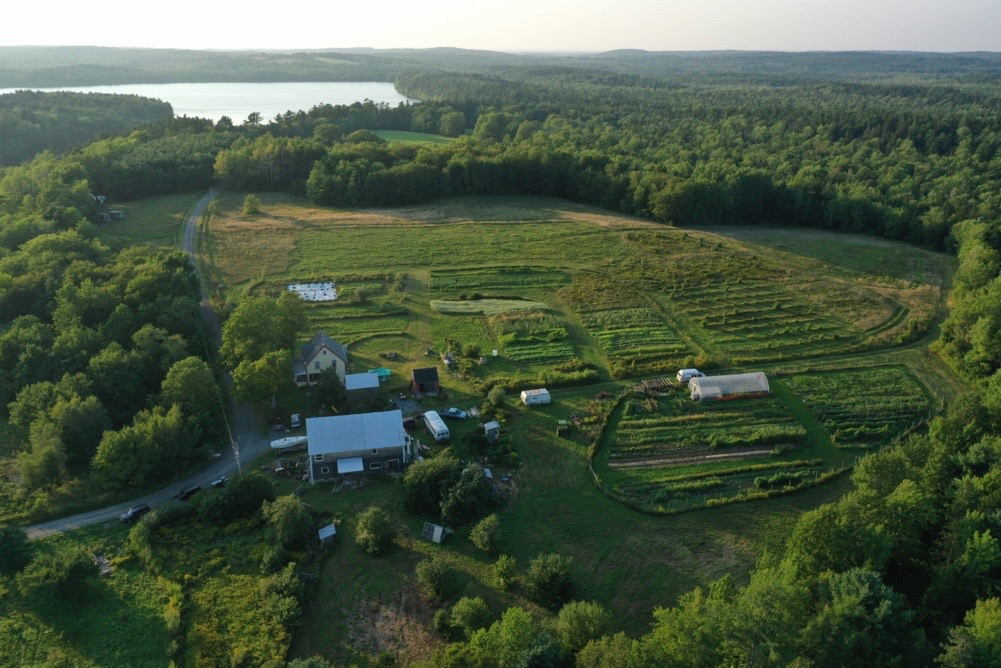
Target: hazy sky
[514,25]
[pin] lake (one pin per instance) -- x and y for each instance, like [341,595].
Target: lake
[238,100]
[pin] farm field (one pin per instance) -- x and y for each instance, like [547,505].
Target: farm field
[630,303]
[863,407]
[155,221]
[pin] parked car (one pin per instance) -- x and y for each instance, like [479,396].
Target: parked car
[219,482]
[296,420]
[187,493]
[454,413]
[685,375]
[134,513]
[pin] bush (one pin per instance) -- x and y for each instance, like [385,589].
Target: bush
[580,622]
[470,615]
[486,534]
[548,580]
[496,396]
[467,500]
[290,521]
[375,531]
[436,579]
[251,205]
[425,483]
[65,573]
[241,497]
[505,569]
[15,551]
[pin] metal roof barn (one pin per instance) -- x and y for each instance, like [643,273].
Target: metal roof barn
[348,433]
[736,386]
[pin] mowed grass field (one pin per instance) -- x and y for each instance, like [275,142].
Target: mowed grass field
[636,301]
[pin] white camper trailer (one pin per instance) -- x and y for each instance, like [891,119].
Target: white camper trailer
[535,397]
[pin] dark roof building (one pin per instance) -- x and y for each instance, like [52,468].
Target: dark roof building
[425,381]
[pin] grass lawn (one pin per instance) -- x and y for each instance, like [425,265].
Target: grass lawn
[156,221]
[404,137]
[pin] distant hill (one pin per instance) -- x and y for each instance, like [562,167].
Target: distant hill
[39,66]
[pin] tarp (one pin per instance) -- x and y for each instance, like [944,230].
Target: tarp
[350,465]
[360,381]
[381,371]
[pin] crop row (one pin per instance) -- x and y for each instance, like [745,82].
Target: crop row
[862,407]
[723,483]
[488,280]
[624,331]
[698,427]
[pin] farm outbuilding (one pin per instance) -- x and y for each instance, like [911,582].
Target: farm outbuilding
[425,381]
[736,386]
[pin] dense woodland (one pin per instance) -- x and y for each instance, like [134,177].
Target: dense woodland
[903,570]
[32,122]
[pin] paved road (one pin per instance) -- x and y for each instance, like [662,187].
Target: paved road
[248,442]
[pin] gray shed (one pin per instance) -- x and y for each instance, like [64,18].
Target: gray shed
[492,430]
[327,534]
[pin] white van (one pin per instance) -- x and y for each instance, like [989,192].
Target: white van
[685,375]
[436,426]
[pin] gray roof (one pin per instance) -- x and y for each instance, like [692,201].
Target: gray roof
[320,340]
[348,433]
[361,381]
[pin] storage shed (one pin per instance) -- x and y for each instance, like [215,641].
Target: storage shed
[425,381]
[535,397]
[492,430]
[736,386]
[327,534]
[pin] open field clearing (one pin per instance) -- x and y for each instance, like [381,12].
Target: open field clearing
[405,137]
[155,221]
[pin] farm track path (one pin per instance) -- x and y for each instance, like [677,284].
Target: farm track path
[246,438]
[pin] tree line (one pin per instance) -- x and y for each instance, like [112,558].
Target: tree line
[32,122]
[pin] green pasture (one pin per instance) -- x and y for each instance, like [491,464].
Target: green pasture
[405,137]
[157,221]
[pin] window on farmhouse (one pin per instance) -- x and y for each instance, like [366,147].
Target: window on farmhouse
[375,466]
[317,458]
[325,470]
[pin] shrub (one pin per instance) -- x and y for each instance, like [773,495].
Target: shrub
[505,569]
[548,580]
[486,534]
[290,521]
[241,497]
[374,532]
[65,573]
[580,622]
[425,482]
[436,579]
[15,552]
[470,615]
[251,205]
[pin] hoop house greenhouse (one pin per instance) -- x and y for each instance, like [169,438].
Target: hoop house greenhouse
[722,388]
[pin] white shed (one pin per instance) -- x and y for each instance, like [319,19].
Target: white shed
[535,397]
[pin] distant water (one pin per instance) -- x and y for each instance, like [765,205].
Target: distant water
[239,100]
